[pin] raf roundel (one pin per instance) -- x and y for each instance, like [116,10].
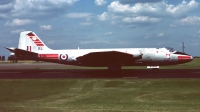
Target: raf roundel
[63,57]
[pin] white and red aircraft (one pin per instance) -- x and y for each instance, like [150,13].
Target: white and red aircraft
[31,47]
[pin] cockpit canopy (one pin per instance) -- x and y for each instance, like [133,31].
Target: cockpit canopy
[170,49]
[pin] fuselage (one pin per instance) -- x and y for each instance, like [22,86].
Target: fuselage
[149,56]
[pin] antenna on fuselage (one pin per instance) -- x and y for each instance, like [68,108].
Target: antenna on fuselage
[183,47]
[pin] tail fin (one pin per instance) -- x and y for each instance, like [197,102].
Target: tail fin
[29,41]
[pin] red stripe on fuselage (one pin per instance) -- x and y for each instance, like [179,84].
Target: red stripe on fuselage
[48,56]
[184,57]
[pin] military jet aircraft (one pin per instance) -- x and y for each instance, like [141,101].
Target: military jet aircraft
[31,47]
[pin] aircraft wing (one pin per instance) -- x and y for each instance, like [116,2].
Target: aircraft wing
[105,58]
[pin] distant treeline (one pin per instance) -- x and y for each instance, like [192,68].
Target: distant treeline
[2,58]
[196,57]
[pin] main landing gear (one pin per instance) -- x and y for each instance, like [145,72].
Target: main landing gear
[114,67]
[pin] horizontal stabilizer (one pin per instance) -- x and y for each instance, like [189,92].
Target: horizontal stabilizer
[11,49]
[22,54]
[20,51]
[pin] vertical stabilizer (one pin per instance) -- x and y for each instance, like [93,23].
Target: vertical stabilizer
[29,41]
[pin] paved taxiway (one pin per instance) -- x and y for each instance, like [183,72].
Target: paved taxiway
[49,70]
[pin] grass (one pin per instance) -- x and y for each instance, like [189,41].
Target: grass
[110,95]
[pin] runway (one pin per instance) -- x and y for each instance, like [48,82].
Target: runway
[49,70]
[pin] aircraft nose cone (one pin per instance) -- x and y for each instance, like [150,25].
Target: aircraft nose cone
[185,58]
[191,58]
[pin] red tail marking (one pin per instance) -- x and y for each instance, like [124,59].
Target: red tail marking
[30,34]
[39,44]
[37,41]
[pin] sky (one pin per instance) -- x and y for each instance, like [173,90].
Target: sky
[69,24]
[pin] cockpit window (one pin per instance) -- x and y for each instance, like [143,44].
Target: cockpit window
[170,49]
[174,51]
[180,53]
